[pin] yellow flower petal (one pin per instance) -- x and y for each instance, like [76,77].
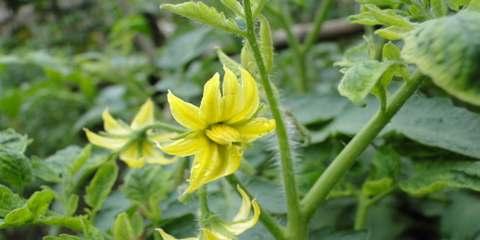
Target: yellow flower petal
[255,128]
[223,134]
[186,114]
[199,166]
[245,208]
[132,156]
[161,137]
[231,94]
[208,234]
[144,116]
[186,146]
[212,104]
[241,226]
[111,125]
[153,155]
[249,98]
[106,142]
[224,163]
[167,236]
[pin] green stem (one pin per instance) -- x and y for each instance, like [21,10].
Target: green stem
[203,202]
[166,126]
[296,224]
[361,213]
[320,17]
[342,163]
[268,221]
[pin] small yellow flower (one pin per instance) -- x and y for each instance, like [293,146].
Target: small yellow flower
[137,144]
[219,128]
[227,231]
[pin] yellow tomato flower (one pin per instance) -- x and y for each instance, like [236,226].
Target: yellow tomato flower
[136,144]
[227,231]
[219,128]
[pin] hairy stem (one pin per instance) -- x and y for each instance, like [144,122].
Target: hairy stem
[203,203]
[342,163]
[268,221]
[296,224]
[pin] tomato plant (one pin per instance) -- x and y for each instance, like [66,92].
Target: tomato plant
[242,123]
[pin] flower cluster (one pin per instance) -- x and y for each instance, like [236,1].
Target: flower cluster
[219,128]
[137,143]
[219,230]
[217,132]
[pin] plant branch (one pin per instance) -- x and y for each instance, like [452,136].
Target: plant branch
[203,202]
[320,17]
[342,163]
[296,225]
[268,221]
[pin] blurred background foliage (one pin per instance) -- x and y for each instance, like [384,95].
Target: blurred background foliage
[62,62]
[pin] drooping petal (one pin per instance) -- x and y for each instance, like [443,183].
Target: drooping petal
[105,142]
[167,236]
[144,116]
[225,162]
[207,234]
[223,134]
[212,104]
[231,94]
[153,155]
[200,164]
[186,146]
[161,137]
[132,156]
[111,125]
[245,208]
[241,226]
[255,128]
[186,114]
[249,97]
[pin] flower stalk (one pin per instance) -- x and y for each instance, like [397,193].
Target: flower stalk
[296,224]
[343,162]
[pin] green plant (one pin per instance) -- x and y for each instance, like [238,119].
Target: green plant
[409,143]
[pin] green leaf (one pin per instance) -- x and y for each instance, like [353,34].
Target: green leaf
[35,208]
[39,202]
[61,237]
[73,223]
[266,43]
[229,62]
[392,33]
[448,50]
[145,183]
[431,121]
[200,12]
[234,6]
[136,221]
[435,175]
[439,8]
[390,51]
[360,79]
[122,229]
[474,5]
[386,163]
[9,201]
[247,59]
[15,169]
[460,218]
[13,141]
[101,185]
[80,160]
